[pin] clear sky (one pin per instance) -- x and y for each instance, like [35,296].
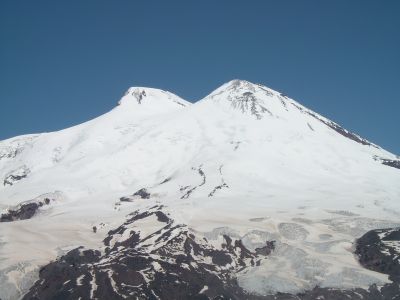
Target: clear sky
[64,62]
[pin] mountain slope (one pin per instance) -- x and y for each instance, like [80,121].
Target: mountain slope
[245,163]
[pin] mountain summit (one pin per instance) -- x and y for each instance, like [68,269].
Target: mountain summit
[151,100]
[245,194]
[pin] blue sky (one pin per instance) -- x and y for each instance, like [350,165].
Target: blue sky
[64,62]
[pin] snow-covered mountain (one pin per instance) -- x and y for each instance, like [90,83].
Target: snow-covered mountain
[245,194]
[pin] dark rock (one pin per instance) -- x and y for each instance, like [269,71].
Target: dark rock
[176,269]
[228,241]
[176,266]
[392,236]
[218,187]
[125,199]
[12,153]
[375,253]
[162,217]
[142,193]
[190,191]
[248,102]
[391,163]
[166,180]
[26,211]
[267,249]
[10,179]
[139,95]
[23,211]
[16,175]
[220,258]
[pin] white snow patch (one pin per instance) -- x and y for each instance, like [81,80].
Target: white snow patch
[79,280]
[205,288]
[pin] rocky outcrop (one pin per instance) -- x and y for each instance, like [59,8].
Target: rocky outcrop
[23,211]
[140,194]
[30,208]
[170,261]
[391,163]
[16,175]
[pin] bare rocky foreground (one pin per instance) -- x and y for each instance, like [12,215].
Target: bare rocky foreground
[171,262]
